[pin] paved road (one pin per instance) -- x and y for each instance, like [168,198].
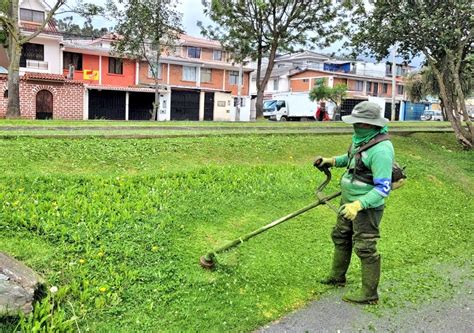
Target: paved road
[331,315]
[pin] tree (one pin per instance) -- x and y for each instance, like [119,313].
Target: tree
[256,29]
[335,94]
[13,41]
[146,29]
[441,30]
[70,29]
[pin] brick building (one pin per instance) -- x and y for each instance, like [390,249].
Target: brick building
[46,96]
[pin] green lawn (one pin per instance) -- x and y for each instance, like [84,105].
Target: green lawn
[258,123]
[119,226]
[147,129]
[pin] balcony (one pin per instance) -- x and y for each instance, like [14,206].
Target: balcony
[37,64]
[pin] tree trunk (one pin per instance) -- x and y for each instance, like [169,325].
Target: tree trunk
[461,134]
[259,104]
[13,109]
[266,77]
[14,53]
[156,103]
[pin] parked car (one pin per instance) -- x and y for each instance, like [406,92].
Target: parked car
[432,115]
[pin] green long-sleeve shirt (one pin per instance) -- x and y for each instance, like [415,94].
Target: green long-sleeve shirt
[379,160]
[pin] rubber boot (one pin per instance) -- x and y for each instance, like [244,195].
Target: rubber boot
[340,264]
[370,281]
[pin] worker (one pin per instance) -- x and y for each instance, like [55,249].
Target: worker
[364,185]
[322,113]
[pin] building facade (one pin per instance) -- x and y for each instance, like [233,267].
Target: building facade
[300,72]
[197,80]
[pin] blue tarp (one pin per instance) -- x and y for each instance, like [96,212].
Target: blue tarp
[413,111]
[345,67]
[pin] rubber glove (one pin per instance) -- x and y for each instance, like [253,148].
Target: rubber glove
[350,210]
[321,162]
[398,184]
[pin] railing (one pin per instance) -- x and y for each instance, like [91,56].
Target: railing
[36,64]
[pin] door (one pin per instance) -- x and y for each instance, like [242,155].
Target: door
[44,105]
[184,105]
[106,104]
[209,106]
[222,106]
[140,105]
[376,89]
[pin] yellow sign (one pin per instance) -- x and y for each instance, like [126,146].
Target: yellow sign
[89,74]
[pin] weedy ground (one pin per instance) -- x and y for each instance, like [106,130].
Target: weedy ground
[119,226]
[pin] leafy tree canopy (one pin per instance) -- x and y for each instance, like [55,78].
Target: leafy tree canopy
[441,30]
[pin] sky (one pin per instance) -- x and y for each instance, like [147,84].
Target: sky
[192,11]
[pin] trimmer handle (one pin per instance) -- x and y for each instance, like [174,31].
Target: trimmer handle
[327,172]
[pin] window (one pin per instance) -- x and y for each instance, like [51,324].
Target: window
[189,73]
[206,75]
[194,52]
[31,51]
[242,101]
[217,55]
[115,66]
[5,94]
[368,87]
[31,15]
[74,59]
[275,84]
[233,77]
[400,89]
[384,88]
[359,85]
[280,104]
[305,80]
[150,72]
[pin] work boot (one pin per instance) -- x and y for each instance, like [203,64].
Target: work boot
[340,263]
[370,281]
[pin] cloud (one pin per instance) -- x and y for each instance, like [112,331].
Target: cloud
[193,11]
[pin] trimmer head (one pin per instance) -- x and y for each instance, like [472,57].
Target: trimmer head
[207,262]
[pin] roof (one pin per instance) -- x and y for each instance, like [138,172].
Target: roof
[302,55]
[50,28]
[337,62]
[346,75]
[198,41]
[117,88]
[279,71]
[29,76]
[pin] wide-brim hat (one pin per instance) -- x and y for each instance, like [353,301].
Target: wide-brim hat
[366,113]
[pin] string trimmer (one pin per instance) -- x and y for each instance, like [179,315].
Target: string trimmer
[209,260]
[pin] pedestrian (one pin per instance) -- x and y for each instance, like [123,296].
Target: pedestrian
[365,184]
[321,112]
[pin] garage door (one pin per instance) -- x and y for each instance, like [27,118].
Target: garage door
[140,106]
[184,105]
[106,104]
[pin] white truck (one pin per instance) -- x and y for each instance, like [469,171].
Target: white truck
[289,106]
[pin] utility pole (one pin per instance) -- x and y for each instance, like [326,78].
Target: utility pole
[394,82]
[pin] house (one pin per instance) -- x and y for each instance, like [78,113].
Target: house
[198,80]
[300,72]
[44,91]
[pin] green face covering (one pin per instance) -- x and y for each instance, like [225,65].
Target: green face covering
[362,135]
